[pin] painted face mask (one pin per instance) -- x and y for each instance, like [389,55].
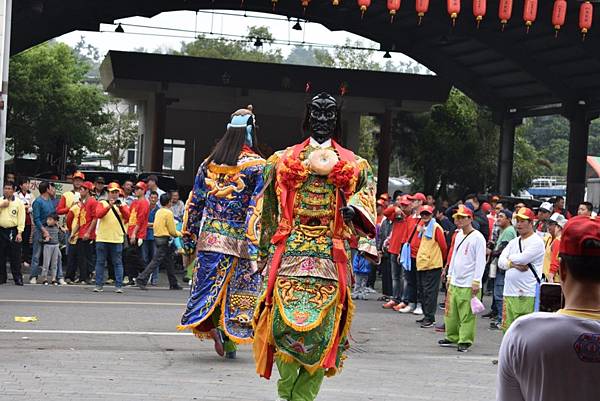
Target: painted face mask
[322,117]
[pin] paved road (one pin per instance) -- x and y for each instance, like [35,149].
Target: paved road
[93,347]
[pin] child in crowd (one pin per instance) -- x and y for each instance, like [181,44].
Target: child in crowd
[362,263]
[51,251]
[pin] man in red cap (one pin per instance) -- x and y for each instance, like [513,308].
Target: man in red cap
[136,231]
[112,215]
[430,260]
[523,261]
[85,220]
[399,214]
[463,282]
[555,356]
[70,197]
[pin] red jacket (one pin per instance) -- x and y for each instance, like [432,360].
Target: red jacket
[398,235]
[138,216]
[87,215]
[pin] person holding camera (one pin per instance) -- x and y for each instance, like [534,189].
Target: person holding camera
[555,356]
[522,260]
[112,215]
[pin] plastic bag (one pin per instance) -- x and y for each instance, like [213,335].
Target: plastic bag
[477,306]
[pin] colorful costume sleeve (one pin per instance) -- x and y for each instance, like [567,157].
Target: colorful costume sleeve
[363,201]
[194,209]
[253,214]
[270,208]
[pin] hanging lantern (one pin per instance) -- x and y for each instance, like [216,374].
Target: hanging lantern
[335,3]
[363,4]
[559,14]
[530,13]
[505,11]
[479,10]
[421,6]
[274,3]
[586,15]
[393,7]
[305,4]
[453,10]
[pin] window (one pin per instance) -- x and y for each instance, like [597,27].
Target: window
[174,154]
[130,157]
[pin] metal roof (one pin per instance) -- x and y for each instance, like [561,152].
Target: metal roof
[510,71]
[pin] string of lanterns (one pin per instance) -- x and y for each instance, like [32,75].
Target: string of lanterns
[505,10]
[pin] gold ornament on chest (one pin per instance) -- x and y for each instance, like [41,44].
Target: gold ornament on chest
[224,185]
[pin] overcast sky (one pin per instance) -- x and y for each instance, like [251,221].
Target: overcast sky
[205,21]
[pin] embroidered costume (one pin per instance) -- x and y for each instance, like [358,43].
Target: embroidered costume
[222,219]
[304,315]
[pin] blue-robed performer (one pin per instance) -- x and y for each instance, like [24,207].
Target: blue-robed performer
[222,224]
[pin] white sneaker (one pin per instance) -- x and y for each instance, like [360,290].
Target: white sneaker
[61,281]
[370,290]
[126,281]
[418,310]
[119,291]
[407,309]
[98,289]
[33,280]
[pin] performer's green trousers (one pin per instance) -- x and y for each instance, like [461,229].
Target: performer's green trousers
[459,320]
[296,384]
[515,307]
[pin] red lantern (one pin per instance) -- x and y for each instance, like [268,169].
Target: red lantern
[559,14]
[363,4]
[530,12]
[586,15]
[305,4]
[479,10]
[393,7]
[421,6]
[453,9]
[505,11]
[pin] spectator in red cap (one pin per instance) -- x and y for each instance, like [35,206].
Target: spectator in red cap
[136,232]
[523,261]
[399,214]
[430,260]
[554,356]
[86,232]
[463,282]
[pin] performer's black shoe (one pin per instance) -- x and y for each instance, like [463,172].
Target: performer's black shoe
[463,347]
[446,343]
[176,287]
[230,355]
[141,285]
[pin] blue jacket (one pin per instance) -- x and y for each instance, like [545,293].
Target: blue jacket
[41,209]
[360,264]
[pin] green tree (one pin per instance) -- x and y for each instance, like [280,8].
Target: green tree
[367,147]
[119,133]
[346,57]
[51,111]
[242,50]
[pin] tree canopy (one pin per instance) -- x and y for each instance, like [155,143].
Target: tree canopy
[50,107]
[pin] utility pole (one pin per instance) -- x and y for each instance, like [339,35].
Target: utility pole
[5,20]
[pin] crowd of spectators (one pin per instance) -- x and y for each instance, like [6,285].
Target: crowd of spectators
[126,229]
[475,247]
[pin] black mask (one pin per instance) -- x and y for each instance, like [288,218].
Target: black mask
[322,117]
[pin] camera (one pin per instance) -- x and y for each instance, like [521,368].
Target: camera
[118,202]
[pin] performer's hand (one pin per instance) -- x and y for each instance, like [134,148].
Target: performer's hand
[347,213]
[19,238]
[475,290]
[522,268]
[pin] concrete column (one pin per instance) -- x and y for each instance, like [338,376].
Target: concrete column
[578,149]
[384,152]
[506,157]
[158,132]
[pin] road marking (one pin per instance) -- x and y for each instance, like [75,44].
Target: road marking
[131,333]
[50,301]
